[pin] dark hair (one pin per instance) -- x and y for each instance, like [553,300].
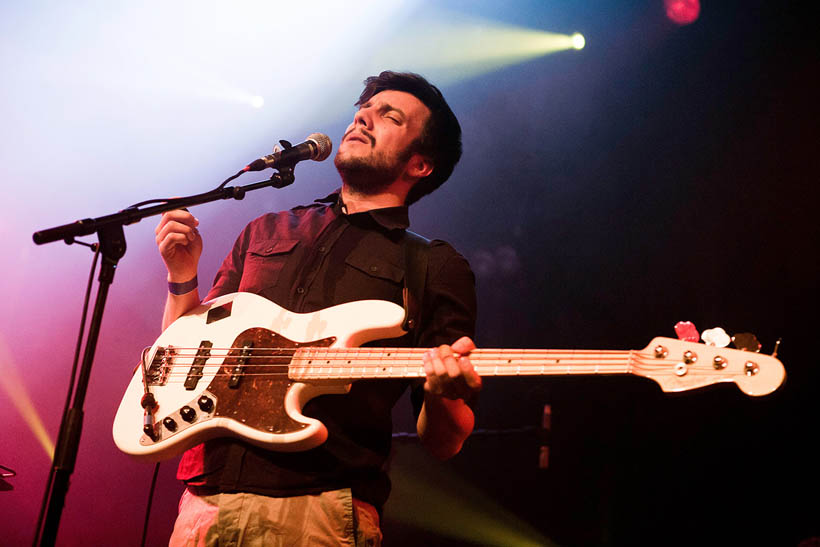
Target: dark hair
[440,139]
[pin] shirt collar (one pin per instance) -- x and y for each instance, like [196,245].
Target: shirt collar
[390,218]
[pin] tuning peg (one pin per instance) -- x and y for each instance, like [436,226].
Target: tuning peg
[716,337]
[686,331]
[776,347]
[746,341]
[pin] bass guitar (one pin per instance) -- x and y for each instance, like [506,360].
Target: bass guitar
[242,366]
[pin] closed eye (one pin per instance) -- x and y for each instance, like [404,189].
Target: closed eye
[392,113]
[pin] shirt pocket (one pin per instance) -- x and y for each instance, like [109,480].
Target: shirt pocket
[376,268]
[264,262]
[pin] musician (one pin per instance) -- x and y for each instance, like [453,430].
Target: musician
[403,143]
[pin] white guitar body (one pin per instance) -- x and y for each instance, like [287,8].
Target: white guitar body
[346,325]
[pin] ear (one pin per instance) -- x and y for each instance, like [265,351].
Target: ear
[419,166]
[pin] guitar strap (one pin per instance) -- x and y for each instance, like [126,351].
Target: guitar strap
[416,250]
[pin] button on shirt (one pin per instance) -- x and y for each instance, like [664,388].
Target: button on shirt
[307,259]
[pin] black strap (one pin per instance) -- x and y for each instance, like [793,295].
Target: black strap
[416,250]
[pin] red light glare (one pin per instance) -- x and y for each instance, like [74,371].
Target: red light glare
[682,12]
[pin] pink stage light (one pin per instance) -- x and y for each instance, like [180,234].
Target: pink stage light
[682,12]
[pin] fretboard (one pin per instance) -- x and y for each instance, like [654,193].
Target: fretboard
[315,363]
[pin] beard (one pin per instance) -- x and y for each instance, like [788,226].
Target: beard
[372,174]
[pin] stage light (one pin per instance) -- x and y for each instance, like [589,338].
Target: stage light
[448,46]
[422,493]
[682,12]
[578,41]
[257,102]
[12,384]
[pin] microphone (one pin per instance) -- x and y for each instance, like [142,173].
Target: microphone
[316,147]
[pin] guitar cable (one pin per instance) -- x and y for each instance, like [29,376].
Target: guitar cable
[71,381]
[148,507]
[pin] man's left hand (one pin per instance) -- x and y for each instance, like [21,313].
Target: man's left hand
[450,373]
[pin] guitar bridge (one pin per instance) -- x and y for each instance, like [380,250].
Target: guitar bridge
[157,374]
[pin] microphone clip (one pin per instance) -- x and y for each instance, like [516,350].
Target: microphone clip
[282,177]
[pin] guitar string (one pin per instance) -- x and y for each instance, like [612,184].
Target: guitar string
[510,359]
[171,381]
[180,370]
[503,359]
[382,352]
[370,349]
[518,362]
[377,354]
[375,362]
[394,357]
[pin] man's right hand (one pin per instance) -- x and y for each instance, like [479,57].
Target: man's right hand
[180,244]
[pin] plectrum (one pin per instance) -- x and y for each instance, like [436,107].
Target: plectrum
[746,341]
[686,331]
[716,337]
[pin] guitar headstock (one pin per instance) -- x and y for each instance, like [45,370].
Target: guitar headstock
[678,365]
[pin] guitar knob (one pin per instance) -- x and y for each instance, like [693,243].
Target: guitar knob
[206,404]
[150,432]
[169,424]
[188,414]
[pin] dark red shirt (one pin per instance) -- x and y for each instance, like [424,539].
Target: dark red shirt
[307,259]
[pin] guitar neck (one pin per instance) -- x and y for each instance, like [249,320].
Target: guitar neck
[315,363]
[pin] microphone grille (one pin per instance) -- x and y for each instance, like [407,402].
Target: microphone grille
[323,146]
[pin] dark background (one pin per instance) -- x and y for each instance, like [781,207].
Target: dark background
[672,177]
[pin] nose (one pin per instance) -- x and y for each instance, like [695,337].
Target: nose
[363,117]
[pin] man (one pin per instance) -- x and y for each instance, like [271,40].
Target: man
[403,143]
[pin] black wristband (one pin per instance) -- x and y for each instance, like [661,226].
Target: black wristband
[182,288]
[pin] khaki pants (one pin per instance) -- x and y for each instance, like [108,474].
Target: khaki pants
[329,518]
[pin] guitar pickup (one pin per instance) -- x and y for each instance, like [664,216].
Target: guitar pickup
[239,366]
[195,373]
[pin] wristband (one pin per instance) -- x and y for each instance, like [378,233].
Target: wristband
[179,289]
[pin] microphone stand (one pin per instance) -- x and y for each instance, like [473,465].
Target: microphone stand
[109,229]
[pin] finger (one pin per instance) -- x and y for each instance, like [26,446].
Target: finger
[179,228]
[427,363]
[172,226]
[170,241]
[463,345]
[181,215]
[468,372]
[177,215]
[190,231]
[449,361]
[432,384]
[439,369]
